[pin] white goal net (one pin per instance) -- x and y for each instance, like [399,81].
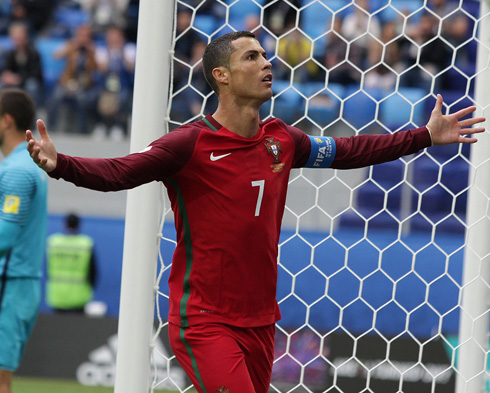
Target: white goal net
[372,261]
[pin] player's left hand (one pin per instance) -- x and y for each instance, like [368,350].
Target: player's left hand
[446,129]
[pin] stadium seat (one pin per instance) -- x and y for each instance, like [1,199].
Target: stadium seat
[359,108]
[287,101]
[323,106]
[67,20]
[315,20]
[5,43]
[52,68]
[71,16]
[205,23]
[397,110]
[389,173]
[336,5]
[240,9]
[397,6]
[458,82]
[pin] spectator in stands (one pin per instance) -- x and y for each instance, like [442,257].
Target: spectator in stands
[294,48]
[457,32]
[195,100]
[34,13]
[22,67]
[427,51]
[71,268]
[335,59]
[354,29]
[116,61]
[268,41]
[105,13]
[278,14]
[388,54]
[131,20]
[442,7]
[77,85]
[187,38]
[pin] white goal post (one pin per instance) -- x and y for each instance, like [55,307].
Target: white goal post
[140,255]
[325,215]
[474,319]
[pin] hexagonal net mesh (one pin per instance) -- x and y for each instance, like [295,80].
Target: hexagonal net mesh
[371,260]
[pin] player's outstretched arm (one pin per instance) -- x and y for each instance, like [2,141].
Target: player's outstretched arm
[446,129]
[42,151]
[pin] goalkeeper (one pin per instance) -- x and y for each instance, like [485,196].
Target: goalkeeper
[23,219]
[227,176]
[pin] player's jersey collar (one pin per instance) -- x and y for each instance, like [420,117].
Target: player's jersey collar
[211,122]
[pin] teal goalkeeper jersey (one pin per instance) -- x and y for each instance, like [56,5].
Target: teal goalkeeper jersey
[23,211]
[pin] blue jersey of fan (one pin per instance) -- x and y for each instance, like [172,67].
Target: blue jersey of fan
[23,215]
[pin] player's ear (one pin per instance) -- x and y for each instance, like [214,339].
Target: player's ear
[221,74]
[7,119]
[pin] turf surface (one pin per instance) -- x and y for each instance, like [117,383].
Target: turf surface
[35,385]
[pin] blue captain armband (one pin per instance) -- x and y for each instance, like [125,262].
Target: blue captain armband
[322,152]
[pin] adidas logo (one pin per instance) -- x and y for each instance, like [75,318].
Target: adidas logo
[100,369]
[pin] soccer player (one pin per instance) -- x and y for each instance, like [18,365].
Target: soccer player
[227,176]
[23,220]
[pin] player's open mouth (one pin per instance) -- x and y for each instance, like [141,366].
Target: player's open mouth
[268,78]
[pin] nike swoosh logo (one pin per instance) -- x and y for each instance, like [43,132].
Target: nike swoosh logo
[216,158]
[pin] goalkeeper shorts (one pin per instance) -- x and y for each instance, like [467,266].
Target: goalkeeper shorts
[18,311]
[223,358]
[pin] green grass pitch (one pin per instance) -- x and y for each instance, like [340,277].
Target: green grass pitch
[35,385]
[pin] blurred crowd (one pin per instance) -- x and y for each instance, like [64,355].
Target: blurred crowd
[364,45]
[90,47]
[91,92]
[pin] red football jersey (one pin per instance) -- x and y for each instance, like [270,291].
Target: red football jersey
[228,195]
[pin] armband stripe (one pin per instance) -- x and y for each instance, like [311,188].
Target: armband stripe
[322,152]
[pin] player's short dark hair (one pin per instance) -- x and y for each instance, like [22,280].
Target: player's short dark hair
[18,104]
[218,53]
[72,221]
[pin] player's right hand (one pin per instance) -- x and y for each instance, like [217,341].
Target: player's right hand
[42,151]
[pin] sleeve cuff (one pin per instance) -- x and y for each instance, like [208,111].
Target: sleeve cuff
[430,134]
[61,164]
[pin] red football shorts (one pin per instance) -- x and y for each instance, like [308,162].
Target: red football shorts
[223,358]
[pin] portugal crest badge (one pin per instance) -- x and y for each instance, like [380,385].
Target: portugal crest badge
[274,149]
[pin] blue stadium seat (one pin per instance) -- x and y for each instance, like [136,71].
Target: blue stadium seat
[389,173]
[359,108]
[66,21]
[459,82]
[240,9]
[323,106]
[315,20]
[397,111]
[52,68]
[472,7]
[335,5]
[205,23]
[287,101]
[411,6]
[71,17]
[5,43]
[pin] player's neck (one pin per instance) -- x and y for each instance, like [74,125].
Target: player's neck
[10,142]
[243,121]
